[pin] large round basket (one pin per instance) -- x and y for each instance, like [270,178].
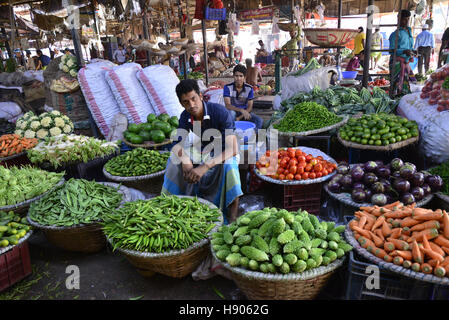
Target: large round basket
[391,266]
[313,152]
[22,207]
[148,144]
[151,183]
[442,201]
[329,37]
[346,199]
[21,240]
[293,286]
[86,238]
[390,147]
[310,132]
[175,263]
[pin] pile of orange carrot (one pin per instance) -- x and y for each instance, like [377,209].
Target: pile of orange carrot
[411,237]
[11,144]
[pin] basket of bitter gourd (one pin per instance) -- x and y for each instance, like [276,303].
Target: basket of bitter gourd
[278,255]
[70,216]
[140,168]
[167,234]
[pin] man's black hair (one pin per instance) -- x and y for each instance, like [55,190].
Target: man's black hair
[38,51]
[186,86]
[240,68]
[361,28]
[405,13]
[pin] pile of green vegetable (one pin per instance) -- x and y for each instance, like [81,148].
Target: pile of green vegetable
[195,75]
[156,129]
[138,162]
[78,201]
[64,149]
[307,116]
[379,129]
[12,228]
[311,65]
[342,100]
[442,170]
[160,224]
[20,184]
[278,241]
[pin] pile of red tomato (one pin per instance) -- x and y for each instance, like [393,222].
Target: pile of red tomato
[380,82]
[293,164]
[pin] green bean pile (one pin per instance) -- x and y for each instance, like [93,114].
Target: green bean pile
[138,162]
[307,116]
[78,201]
[443,171]
[160,224]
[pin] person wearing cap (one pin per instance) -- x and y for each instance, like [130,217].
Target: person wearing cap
[57,53]
[19,57]
[30,65]
[401,71]
[376,44]
[425,45]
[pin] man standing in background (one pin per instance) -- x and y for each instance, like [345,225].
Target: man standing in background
[253,75]
[376,44]
[119,55]
[425,45]
[359,41]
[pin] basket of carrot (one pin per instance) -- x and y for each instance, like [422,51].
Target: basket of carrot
[13,145]
[404,239]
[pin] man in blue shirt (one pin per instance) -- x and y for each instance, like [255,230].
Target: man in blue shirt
[238,98]
[401,71]
[43,60]
[425,44]
[215,177]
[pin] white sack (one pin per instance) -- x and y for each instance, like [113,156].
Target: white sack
[10,111]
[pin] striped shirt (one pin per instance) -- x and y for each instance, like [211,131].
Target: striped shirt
[239,99]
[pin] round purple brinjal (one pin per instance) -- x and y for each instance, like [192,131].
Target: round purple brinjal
[396,174]
[334,187]
[407,198]
[396,164]
[417,179]
[390,198]
[418,193]
[401,185]
[346,181]
[426,175]
[378,187]
[370,178]
[427,189]
[386,183]
[435,182]
[337,177]
[383,172]
[357,174]
[368,194]
[358,185]
[342,169]
[379,163]
[379,199]
[358,195]
[407,171]
[370,166]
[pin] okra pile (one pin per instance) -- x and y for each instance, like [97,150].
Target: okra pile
[279,241]
[138,162]
[12,228]
[161,224]
[20,184]
[307,116]
[78,201]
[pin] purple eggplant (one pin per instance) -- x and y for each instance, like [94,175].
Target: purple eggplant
[435,182]
[379,199]
[370,178]
[346,181]
[357,174]
[427,189]
[390,198]
[385,182]
[383,172]
[337,177]
[417,179]
[368,194]
[343,169]
[378,187]
[370,166]
[396,164]
[396,174]
[334,187]
[407,198]
[358,195]
[401,185]
[411,165]
[358,185]
[407,171]
[379,163]
[418,193]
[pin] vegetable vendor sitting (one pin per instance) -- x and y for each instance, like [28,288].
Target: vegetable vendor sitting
[238,98]
[197,167]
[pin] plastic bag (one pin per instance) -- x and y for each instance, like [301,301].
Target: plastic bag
[10,111]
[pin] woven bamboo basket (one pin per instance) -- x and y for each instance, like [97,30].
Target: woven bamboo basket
[330,37]
[21,240]
[148,144]
[293,286]
[391,266]
[86,238]
[176,263]
[310,132]
[13,156]
[390,147]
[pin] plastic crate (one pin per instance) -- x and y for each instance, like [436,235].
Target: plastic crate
[305,197]
[15,265]
[215,14]
[392,286]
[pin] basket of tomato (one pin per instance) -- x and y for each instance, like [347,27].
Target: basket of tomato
[379,82]
[295,166]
